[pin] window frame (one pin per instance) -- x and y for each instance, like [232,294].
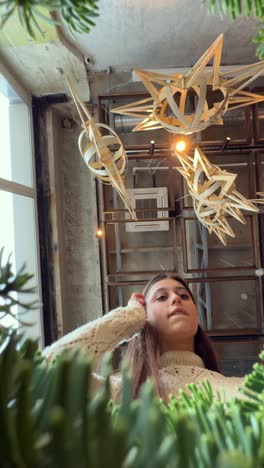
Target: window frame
[24,190]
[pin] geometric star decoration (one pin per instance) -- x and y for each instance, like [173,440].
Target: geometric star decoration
[259,200]
[167,105]
[213,193]
[106,164]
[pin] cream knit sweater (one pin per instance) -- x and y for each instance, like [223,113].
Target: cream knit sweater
[177,368]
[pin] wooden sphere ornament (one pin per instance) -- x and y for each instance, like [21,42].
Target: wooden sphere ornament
[166,108]
[107,164]
[213,193]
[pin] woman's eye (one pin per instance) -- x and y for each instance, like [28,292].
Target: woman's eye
[161,298]
[184,297]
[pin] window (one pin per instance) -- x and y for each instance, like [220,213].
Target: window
[18,204]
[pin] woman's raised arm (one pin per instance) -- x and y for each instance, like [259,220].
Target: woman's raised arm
[103,334]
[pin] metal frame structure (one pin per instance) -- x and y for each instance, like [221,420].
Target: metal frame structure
[203,246]
[118,279]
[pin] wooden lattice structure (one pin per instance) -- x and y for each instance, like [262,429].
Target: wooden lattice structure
[213,193]
[106,164]
[166,108]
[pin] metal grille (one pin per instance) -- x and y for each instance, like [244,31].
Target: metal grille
[146,204]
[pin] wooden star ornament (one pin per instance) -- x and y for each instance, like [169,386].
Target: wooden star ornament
[259,200]
[214,194]
[106,164]
[166,108]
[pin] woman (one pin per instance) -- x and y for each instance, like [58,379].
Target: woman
[169,345]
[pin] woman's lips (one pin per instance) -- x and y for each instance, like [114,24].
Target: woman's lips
[177,312]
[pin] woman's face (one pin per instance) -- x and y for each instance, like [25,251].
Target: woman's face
[171,310]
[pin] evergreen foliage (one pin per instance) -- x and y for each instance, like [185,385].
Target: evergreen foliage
[237,8]
[50,418]
[10,285]
[77,15]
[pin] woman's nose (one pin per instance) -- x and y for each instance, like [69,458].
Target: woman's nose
[175,299]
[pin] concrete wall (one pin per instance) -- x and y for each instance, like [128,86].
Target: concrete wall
[76,222]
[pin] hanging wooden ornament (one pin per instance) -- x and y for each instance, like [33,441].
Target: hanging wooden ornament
[213,193]
[106,164]
[166,108]
[259,200]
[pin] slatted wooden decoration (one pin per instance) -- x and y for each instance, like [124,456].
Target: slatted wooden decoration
[107,165]
[166,108]
[214,194]
[259,200]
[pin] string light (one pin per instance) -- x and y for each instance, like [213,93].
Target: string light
[180,145]
[99,233]
[227,141]
[151,146]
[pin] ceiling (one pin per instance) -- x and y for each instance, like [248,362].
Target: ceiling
[162,33]
[128,34]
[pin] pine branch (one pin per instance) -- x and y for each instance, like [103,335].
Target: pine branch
[77,15]
[12,284]
[49,417]
[237,8]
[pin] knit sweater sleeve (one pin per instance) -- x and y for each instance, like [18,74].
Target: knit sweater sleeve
[103,334]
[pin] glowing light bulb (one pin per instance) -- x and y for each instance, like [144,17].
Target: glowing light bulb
[99,233]
[180,145]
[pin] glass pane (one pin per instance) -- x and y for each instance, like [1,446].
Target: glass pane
[120,295]
[260,120]
[227,305]
[15,135]
[234,127]
[18,236]
[147,173]
[261,172]
[205,250]
[236,358]
[139,251]
[236,164]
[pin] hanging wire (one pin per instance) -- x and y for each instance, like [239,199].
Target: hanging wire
[155,168]
[120,85]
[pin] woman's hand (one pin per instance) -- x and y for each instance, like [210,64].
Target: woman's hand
[139,298]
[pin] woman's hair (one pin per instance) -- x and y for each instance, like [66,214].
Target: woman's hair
[142,352]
